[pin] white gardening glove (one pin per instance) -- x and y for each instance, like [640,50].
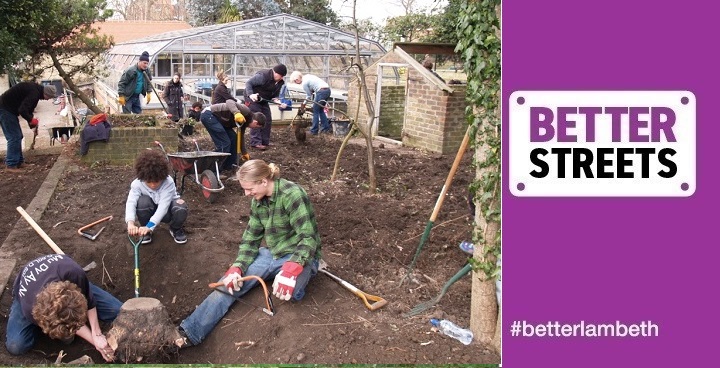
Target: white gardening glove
[231,279]
[254,97]
[284,284]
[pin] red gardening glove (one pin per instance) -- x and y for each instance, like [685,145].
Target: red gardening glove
[231,279]
[34,123]
[284,284]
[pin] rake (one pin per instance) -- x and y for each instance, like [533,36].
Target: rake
[426,305]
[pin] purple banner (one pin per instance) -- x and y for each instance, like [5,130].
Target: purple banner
[613,281]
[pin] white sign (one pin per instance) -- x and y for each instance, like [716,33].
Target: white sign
[602,143]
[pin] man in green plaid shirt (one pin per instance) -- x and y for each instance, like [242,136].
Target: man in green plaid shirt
[280,213]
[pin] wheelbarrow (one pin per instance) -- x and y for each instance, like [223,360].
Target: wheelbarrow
[198,165]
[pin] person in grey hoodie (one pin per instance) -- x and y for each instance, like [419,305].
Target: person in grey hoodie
[153,198]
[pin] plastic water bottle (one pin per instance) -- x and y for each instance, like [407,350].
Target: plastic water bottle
[456,332]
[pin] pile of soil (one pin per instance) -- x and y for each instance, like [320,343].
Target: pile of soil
[367,239]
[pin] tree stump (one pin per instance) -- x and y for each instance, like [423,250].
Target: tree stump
[143,332]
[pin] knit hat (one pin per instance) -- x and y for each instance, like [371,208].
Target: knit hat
[145,56]
[49,91]
[280,69]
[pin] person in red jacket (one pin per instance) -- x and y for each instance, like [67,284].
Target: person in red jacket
[21,99]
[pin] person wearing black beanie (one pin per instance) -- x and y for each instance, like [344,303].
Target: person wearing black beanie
[262,88]
[135,81]
[280,69]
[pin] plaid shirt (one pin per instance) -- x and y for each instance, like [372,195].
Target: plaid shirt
[287,222]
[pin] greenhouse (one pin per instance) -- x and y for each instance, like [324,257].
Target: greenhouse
[241,49]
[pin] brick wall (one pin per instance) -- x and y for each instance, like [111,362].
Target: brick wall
[125,143]
[434,120]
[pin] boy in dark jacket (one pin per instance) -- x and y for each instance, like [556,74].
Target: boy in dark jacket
[21,99]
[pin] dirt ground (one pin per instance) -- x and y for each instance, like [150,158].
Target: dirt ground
[368,240]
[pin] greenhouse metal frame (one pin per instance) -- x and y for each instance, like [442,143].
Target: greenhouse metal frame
[243,48]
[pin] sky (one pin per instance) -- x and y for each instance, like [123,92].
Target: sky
[378,10]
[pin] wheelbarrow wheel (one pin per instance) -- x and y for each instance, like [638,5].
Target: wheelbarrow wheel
[209,180]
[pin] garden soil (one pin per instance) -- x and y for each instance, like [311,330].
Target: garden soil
[368,240]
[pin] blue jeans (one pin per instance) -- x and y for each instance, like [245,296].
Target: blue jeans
[175,216]
[321,97]
[21,333]
[13,134]
[225,139]
[202,321]
[132,104]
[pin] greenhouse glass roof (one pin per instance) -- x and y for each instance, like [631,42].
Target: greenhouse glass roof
[245,47]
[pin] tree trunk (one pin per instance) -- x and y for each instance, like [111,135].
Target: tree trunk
[484,304]
[72,86]
[143,332]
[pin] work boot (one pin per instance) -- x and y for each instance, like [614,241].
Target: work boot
[14,169]
[179,235]
[147,238]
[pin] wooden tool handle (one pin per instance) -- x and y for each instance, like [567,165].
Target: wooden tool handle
[40,231]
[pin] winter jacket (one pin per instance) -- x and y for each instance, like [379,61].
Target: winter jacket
[264,85]
[221,94]
[225,112]
[173,93]
[22,99]
[92,133]
[128,81]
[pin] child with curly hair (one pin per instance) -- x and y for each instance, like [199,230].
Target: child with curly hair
[52,294]
[153,198]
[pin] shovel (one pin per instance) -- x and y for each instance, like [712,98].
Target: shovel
[136,245]
[379,302]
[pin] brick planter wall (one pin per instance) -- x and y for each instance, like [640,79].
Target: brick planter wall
[125,144]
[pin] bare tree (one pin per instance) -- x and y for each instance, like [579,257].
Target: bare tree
[364,128]
[149,9]
[407,5]
[120,7]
